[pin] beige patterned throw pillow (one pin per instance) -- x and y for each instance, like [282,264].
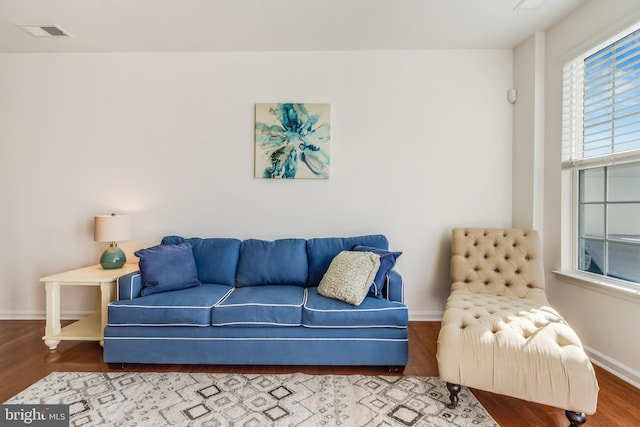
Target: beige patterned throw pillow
[349,276]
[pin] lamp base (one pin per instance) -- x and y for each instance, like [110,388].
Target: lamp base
[112,257]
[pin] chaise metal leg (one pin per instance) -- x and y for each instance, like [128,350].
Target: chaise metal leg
[576,419]
[454,389]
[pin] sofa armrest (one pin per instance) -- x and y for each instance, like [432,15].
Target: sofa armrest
[394,287]
[129,286]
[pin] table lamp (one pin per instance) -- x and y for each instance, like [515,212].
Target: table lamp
[112,228]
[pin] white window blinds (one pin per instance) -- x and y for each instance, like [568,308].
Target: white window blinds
[601,104]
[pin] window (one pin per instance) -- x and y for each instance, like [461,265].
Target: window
[601,150]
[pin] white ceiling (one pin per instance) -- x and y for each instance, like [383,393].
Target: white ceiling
[261,25]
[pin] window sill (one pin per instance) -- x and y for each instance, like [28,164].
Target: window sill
[607,286]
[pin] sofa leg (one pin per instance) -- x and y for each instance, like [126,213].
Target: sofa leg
[117,365]
[576,419]
[393,369]
[454,389]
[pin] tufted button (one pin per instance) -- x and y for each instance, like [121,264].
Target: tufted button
[529,285]
[517,271]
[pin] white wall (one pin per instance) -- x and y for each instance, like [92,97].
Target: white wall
[607,324]
[421,143]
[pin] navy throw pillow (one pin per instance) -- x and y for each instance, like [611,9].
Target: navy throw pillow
[387,262]
[167,268]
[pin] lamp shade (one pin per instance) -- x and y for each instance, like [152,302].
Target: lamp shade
[112,228]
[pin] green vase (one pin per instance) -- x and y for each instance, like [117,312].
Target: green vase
[112,257]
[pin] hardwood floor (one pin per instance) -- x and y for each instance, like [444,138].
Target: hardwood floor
[24,359]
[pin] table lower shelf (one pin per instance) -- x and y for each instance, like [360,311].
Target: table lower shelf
[86,329]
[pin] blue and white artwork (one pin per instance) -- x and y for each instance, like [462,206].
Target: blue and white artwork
[292,141]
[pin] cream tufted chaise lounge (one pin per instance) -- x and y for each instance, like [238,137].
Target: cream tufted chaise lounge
[500,334]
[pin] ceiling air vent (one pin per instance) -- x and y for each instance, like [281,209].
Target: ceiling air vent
[45,30]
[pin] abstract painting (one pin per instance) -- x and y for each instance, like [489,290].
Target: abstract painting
[292,141]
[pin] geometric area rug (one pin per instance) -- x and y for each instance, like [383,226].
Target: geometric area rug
[248,400]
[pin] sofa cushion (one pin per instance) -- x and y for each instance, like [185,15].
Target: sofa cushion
[186,307]
[216,258]
[387,262]
[323,312]
[279,262]
[267,305]
[349,276]
[321,251]
[167,268]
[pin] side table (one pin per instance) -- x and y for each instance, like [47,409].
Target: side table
[90,328]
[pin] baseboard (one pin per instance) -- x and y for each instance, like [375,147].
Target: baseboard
[40,315]
[616,368]
[22,315]
[425,316]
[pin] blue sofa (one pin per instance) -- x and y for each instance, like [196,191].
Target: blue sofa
[256,302]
